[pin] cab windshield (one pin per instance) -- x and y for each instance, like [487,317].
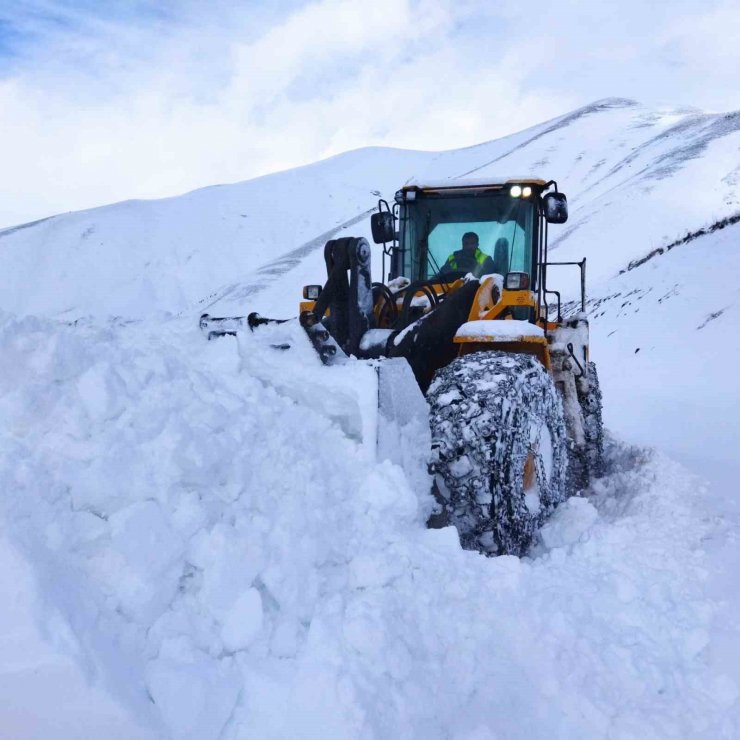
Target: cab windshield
[480,233]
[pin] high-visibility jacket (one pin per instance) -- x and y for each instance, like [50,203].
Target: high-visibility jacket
[459,260]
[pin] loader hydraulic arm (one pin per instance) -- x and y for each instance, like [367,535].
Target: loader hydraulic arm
[345,306]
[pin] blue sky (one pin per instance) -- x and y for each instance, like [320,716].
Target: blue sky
[102,101]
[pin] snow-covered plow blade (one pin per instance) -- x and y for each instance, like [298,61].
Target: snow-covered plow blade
[220,326]
[403,434]
[375,402]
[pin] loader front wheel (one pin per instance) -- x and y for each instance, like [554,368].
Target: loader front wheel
[499,450]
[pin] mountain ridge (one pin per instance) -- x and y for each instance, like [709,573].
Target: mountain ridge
[619,162]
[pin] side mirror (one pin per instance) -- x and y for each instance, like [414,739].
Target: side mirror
[555,207]
[383,227]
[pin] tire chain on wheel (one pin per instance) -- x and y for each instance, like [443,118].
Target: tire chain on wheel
[479,404]
[589,397]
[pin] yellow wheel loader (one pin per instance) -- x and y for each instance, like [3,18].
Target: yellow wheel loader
[513,403]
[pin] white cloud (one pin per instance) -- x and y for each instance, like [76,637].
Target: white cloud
[96,109]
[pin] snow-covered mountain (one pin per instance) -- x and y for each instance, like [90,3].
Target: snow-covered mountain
[636,179]
[214,545]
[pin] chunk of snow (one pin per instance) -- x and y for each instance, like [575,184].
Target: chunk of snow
[571,520]
[243,621]
[375,339]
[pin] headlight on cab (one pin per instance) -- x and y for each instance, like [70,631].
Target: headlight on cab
[311,292]
[517,281]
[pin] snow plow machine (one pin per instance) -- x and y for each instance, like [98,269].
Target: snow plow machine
[467,335]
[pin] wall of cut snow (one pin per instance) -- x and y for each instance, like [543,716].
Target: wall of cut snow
[234,563]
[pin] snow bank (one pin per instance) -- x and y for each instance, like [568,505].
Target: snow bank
[235,564]
[44,681]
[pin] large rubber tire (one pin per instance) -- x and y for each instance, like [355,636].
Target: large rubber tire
[589,398]
[492,415]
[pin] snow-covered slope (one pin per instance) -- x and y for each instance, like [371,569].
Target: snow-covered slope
[636,178]
[136,257]
[230,559]
[664,332]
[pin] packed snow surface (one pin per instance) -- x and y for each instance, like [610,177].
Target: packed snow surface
[200,541]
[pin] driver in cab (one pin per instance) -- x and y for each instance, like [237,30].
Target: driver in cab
[469,258]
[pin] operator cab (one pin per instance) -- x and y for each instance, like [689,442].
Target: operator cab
[434,218]
[451,228]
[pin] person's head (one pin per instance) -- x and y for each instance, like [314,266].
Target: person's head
[470,241]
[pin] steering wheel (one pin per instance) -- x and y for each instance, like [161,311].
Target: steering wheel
[449,277]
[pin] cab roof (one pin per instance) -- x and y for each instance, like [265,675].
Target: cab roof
[472,182]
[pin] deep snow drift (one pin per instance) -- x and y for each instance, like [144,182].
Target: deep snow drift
[232,576]
[200,535]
